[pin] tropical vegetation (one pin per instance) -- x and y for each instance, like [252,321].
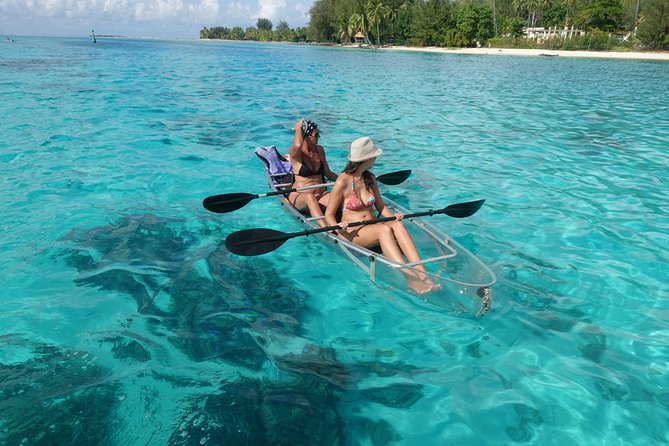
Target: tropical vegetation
[264,31]
[602,24]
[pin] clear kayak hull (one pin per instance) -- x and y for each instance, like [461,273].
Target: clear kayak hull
[465,281]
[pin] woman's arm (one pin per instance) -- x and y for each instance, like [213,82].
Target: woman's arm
[379,203]
[327,172]
[336,196]
[295,151]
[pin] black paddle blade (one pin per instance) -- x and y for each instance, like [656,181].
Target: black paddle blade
[394,178]
[227,202]
[462,210]
[254,242]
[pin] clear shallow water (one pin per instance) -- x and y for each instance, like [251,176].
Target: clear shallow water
[125,321]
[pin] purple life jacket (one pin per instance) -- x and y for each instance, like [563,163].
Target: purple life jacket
[279,168]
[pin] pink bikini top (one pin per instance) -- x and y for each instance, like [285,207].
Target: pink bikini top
[354,203]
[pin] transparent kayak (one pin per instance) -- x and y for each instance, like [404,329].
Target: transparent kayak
[465,280]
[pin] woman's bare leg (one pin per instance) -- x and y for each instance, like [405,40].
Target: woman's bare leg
[378,234]
[409,249]
[323,200]
[307,200]
[406,242]
[383,234]
[315,209]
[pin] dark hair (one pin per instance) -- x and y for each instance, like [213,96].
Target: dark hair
[367,176]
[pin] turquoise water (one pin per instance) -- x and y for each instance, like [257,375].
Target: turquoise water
[126,322]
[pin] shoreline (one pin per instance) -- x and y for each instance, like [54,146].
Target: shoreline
[484,51]
[635,55]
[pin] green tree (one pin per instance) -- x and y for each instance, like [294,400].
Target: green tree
[605,15]
[376,12]
[283,33]
[361,19]
[556,15]
[251,33]
[654,28]
[301,34]
[392,14]
[402,25]
[322,21]
[473,22]
[485,24]
[264,24]
[237,33]
[455,39]
[359,22]
[533,9]
[466,21]
[429,22]
[514,27]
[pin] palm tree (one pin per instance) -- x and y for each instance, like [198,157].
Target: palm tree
[352,27]
[571,7]
[528,6]
[543,5]
[359,22]
[343,31]
[355,23]
[376,12]
[391,16]
[392,12]
[494,17]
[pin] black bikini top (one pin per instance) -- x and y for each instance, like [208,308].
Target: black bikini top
[312,159]
[305,171]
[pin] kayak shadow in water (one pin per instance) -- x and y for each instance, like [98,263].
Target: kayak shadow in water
[215,307]
[52,393]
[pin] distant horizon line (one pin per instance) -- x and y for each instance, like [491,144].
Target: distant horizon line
[90,35]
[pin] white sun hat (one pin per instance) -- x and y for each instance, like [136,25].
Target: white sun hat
[363,149]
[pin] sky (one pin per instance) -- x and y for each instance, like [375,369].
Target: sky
[174,19]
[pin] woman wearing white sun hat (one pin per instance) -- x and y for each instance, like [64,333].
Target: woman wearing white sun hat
[355,193]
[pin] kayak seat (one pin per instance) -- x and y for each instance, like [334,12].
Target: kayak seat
[279,168]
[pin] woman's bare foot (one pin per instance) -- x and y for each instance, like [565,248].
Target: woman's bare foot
[423,285]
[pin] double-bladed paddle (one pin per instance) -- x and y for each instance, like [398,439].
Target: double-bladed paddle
[253,242]
[231,202]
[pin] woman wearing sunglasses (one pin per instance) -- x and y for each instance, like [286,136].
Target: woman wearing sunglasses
[310,168]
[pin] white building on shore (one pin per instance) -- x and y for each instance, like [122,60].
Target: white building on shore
[549,33]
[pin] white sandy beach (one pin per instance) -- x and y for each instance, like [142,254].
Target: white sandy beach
[638,55]
[538,52]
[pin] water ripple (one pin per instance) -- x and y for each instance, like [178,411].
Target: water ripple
[115,278]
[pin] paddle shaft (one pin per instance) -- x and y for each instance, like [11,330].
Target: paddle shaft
[295,189]
[288,236]
[231,202]
[380,178]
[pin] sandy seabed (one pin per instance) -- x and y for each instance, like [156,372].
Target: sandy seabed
[537,52]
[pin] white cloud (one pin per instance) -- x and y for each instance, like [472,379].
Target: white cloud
[184,11]
[157,18]
[271,9]
[237,13]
